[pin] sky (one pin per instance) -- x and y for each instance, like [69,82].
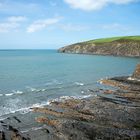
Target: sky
[51,24]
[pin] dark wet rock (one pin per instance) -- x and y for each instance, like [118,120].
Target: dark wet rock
[2,136]
[124,83]
[15,136]
[127,80]
[113,100]
[71,114]
[46,130]
[94,132]
[115,83]
[110,119]
[133,81]
[137,126]
[10,133]
[17,119]
[132,96]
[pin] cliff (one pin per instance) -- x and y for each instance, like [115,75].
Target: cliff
[117,46]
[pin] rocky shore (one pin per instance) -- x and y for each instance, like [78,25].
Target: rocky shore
[119,46]
[110,114]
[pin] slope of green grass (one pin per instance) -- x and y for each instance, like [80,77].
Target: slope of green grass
[107,40]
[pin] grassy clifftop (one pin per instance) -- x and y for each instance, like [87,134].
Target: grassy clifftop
[118,46]
[107,40]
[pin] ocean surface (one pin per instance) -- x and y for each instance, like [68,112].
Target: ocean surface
[31,78]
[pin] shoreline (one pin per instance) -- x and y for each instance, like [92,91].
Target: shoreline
[118,46]
[112,114]
[96,54]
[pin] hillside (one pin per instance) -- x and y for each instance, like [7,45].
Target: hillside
[117,46]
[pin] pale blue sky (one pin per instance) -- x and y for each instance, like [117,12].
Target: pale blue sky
[50,24]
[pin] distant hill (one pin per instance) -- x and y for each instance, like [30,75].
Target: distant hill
[117,46]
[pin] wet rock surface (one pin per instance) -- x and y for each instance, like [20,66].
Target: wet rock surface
[111,115]
[8,132]
[106,119]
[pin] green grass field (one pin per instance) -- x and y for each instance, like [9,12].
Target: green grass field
[105,40]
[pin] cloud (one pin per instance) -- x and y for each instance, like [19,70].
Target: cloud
[89,5]
[14,7]
[6,27]
[71,27]
[42,24]
[115,27]
[16,18]
[111,26]
[11,23]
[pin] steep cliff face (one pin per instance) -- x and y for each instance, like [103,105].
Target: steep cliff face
[118,47]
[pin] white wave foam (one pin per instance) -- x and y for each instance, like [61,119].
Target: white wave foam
[9,94]
[43,89]
[1,94]
[53,82]
[66,97]
[25,110]
[35,89]
[100,81]
[8,111]
[80,84]
[29,109]
[14,92]
[82,92]
[85,96]
[32,89]
[132,79]
[40,104]
[17,92]
[63,98]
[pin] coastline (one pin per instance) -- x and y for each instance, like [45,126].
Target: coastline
[111,114]
[95,54]
[127,46]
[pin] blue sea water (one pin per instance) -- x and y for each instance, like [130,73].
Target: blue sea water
[34,77]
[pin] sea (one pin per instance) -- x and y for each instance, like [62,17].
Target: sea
[34,78]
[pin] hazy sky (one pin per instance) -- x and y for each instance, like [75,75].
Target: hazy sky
[52,24]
